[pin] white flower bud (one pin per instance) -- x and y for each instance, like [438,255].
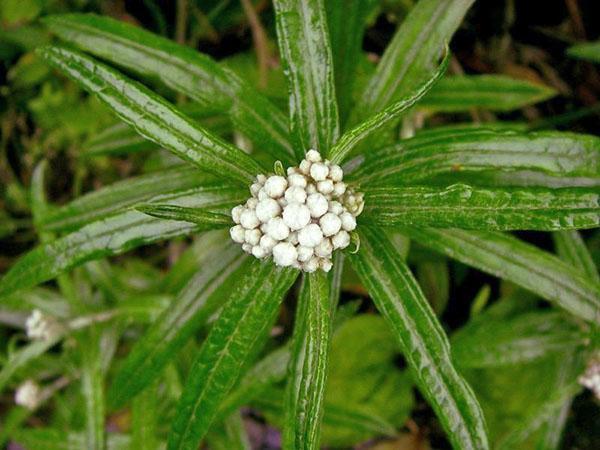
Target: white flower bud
[330,224]
[293,238]
[296,216]
[236,213]
[325,264]
[305,167]
[295,194]
[267,242]
[311,265]
[313,156]
[267,209]
[284,254]
[277,229]
[298,180]
[247,248]
[311,189]
[304,253]
[341,240]
[291,171]
[249,220]
[262,195]
[339,188]
[325,187]
[260,178]
[336,173]
[319,171]
[348,221]
[28,395]
[237,233]
[324,249]
[40,326]
[275,186]
[317,204]
[335,208]
[259,252]
[310,236]
[254,188]
[252,237]
[251,203]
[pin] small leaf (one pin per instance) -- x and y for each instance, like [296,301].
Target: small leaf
[571,248]
[589,51]
[308,64]
[305,390]
[199,216]
[509,258]
[467,207]
[422,340]
[242,323]
[153,117]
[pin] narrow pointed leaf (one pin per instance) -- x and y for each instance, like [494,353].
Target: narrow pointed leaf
[421,337]
[194,304]
[413,53]
[153,117]
[199,216]
[121,195]
[589,51]
[55,439]
[492,92]
[305,391]
[354,137]
[111,236]
[459,154]
[308,64]
[181,69]
[509,258]
[243,322]
[463,206]
[92,387]
[145,413]
[571,248]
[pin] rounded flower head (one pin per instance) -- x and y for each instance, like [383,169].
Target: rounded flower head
[28,395]
[299,220]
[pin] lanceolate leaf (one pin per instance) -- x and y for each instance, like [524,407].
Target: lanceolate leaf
[122,195]
[572,249]
[491,92]
[422,340]
[459,154]
[183,70]
[153,117]
[55,439]
[352,138]
[589,51]
[412,54]
[113,235]
[308,368]
[509,258]
[464,206]
[92,387]
[193,305]
[199,216]
[241,325]
[306,56]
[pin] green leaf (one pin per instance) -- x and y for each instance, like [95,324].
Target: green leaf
[54,439]
[346,22]
[122,195]
[305,390]
[111,236]
[92,386]
[464,206]
[589,51]
[434,279]
[462,155]
[422,340]
[308,64]
[572,249]
[200,298]
[145,413]
[181,69]
[199,216]
[354,137]
[492,92]
[242,323]
[412,54]
[153,117]
[489,342]
[511,259]
[231,435]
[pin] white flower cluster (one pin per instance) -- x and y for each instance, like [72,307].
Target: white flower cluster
[591,377]
[41,327]
[299,219]
[28,395]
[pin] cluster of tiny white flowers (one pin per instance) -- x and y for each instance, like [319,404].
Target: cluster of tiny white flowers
[28,395]
[40,326]
[591,377]
[299,219]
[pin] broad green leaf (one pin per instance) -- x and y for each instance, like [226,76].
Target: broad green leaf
[153,117]
[571,248]
[358,134]
[199,216]
[305,51]
[460,155]
[181,69]
[194,304]
[422,340]
[145,413]
[121,195]
[509,258]
[492,92]
[589,51]
[241,325]
[489,342]
[412,54]
[113,235]
[305,392]
[346,22]
[55,439]
[463,206]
